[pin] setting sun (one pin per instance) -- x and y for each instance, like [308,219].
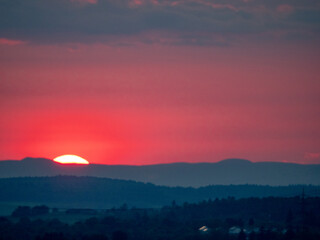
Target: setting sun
[70,159]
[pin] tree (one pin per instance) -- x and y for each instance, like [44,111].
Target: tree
[242,235]
[21,211]
[95,237]
[252,236]
[119,235]
[289,234]
[124,207]
[39,210]
[52,236]
[289,218]
[251,222]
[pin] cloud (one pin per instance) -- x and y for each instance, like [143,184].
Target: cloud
[10,42]
[61,21]
[285,8]
[312,155]
[85,1]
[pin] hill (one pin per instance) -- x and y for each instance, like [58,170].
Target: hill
[230,171]
[92,192]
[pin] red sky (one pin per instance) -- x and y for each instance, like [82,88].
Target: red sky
[144,91]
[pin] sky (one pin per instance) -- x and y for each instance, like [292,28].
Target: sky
[159,81]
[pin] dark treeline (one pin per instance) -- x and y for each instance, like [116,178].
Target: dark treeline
[296,218]
[91,192]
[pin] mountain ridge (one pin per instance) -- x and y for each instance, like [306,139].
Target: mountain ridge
[225,172]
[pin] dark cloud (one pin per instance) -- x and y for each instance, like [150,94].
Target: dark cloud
[198,22]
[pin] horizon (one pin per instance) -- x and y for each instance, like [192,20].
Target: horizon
[225,172]
[161,163]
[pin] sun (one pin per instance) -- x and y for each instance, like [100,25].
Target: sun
[70,159]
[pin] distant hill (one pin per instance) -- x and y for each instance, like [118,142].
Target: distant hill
[92,192]
[230,171]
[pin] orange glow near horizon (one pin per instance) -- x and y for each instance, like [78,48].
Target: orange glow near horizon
[70,159]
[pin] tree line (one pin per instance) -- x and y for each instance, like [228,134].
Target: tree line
[294,218]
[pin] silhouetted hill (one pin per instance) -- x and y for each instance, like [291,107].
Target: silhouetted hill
[91,192]
[230,171]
